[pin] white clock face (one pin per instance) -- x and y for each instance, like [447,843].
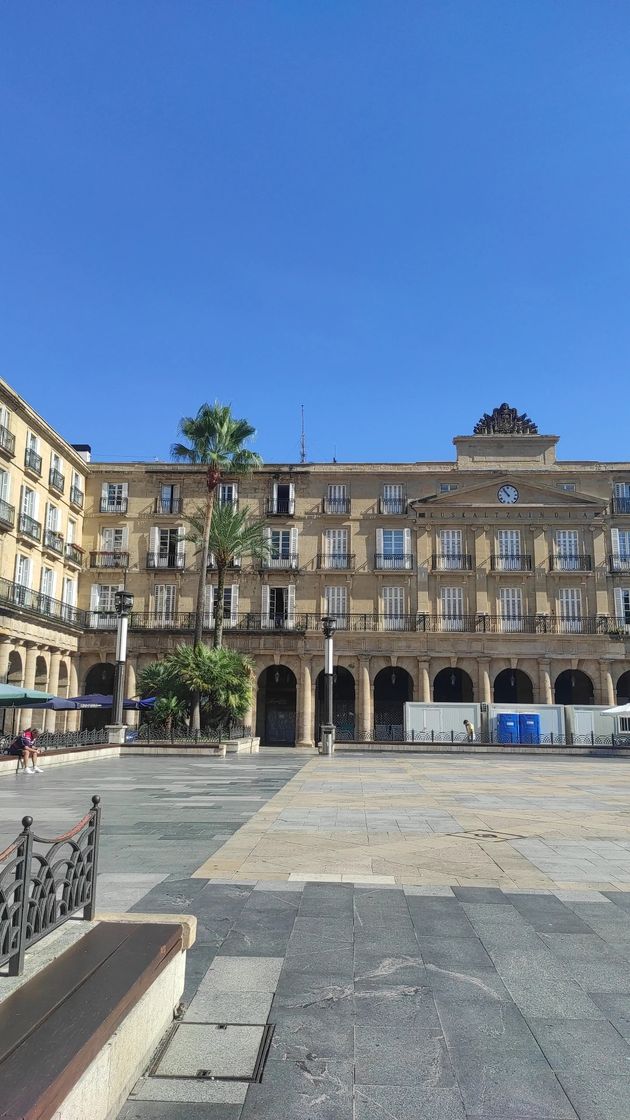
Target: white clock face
[508,495]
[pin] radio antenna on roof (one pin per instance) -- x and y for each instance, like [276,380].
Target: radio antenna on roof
[302,439]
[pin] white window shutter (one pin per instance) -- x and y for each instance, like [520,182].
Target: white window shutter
[125,489]
[94,595]
[154,539]
[266,621]
[293,544]
[181,541]
[614,536]
[208,604]
[105,491]
[407,548]
[291,606]
[379,542]
[621,594]
[234,605]
[291,492]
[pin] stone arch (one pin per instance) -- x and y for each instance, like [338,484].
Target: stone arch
[393,687]
[344,703]
[64,680]
[453,686]
[623,688]
[41,673]
[15,671]
[513,686]
[573,686]
[100,678]
[276,705]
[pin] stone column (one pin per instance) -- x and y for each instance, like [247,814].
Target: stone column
[24,716]
[305,737]
[607,686]
[130,718]
[5,653]
[50,718]
[424,681]
[366,718]
[544,681]
[74,718]
[483,682]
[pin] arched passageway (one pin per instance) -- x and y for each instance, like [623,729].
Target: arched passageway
[623,689]
[100,679]
[574,687]
[276,705]
[392,689]
[513,686]
[41,674]
[15,672]
[452,686]
[344,710]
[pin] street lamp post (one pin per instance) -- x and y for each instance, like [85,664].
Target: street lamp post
[329,624]
[123,603]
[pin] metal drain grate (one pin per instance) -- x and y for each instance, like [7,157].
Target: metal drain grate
[479,834]
[214,1052]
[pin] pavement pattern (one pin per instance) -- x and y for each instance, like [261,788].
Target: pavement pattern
[390,999]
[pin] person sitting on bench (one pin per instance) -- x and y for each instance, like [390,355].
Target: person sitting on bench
[24,747]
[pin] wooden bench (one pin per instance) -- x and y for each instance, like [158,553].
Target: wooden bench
[55,1025]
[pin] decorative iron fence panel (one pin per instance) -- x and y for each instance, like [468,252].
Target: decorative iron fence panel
[161,733]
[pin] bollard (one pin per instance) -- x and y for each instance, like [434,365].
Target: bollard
[328,739]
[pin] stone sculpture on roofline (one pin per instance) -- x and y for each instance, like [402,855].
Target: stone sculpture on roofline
[505,421]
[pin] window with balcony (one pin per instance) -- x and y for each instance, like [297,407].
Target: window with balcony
[164,602]
[282,548]
[113,551]
[511,610]
[335,554]
[69,600]
[620,556]
[76,490]
[56,479]
[621,497]
[393,500]
[114,497]
[166,548]
[570,610]
[336,605]
[393,608]
[393,549]
[47,590]
[28,525]
[7,439]
[452,608]
[230,606]
[103,605]
[228,494]
[336,500]
[73,553]
[282,501]
[509,556]
[622,607]
[23,571]
[567,555]
[450,556]
[32,457]
[7,511]
[278,607]
[169,500]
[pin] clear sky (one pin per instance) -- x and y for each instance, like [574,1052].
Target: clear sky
[398,213]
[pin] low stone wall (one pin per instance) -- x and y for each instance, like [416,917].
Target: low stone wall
[480,748]
[64,756]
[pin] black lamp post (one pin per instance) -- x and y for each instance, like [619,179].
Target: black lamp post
[123,603]
[329,624]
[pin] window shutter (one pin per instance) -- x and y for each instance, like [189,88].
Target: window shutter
[379,542]
[291,606]
[234,605]
[105,491]
[94,597]
[291,492]
[407,548]
[614,536]
[181,541]
[208,604]
[266,621]
[154,539]
[293,544]
[124,487]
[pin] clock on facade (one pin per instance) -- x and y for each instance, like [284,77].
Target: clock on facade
[507,494]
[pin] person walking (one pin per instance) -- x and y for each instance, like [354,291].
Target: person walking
[470,731]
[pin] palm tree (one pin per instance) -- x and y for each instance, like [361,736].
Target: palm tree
[215,439]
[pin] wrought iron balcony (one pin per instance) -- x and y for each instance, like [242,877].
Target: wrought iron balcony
[280,507]
[393,561]
[621,505]
[337,505]
[168,506]
[451,562]
[114,559]
[397,506]
[74,555]
[570,562]
[166,560]
[7,515]
[288,560]
[32,461]
[113,505]
[56,480]
[619,563]
[16,595]
[7,441]
[76,497]
[335,561]
[53,541]
[510,562]
[28,527]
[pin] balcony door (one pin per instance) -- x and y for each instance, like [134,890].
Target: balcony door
[452,608]
[451,548]
[622,607]
[230,605]
[165,601]
[509,547]
[621,544]
[278,607]
[336,548]
[47,588]
[570,602]
[393,599]
[511,609]
[568,549]
[23,570]
[113,540]
[336,604]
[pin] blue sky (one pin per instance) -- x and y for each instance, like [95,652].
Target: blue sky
[398,214]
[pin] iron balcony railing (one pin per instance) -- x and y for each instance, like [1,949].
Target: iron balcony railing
[7,440]
[166,560]
[288,560]
[510,562]
[393,561]
[7,514]
[56,480]
[619,563]
[112,559]
[570,562]
[168,505]
[337,505]
[621,505]
[53,541]
[333,561]
[451,562]
[280,507]
[74,554]
[32,461]
[16,595]
[77,497]
[113,505]
[392,505]
[29,527]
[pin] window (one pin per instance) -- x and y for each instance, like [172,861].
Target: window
[622,489]
[283,501]
[450,548]
[71,532]
[5,485]
[282,548]
[509,550]
[511,609]
[393,500]
[336,498]
[336,548]
[336,605]
[165,601]
[228,494]
[32,442]
[447,487]
[114,497]
[166,548]
[23,570]
[621,544]
[570,610]
[393,548]
[567,545]
[622,606]
[278,607]
[393,608]
[47,588]
[69,598]
[52,518]
[29,502]
[76,480]
[230,605]
[55,462]
[102,597]
[114,540]
[169,500]
[5,417]
[568,486]
[452,608]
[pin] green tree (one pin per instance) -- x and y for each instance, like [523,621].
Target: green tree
[221,678]
[214,438]
[234,534]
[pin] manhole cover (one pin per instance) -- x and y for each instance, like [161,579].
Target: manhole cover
[478,834]
[214,1052]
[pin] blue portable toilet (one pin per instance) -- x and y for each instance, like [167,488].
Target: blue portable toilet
[529,727]
[507,727]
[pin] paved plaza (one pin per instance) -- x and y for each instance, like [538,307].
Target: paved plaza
[431,937]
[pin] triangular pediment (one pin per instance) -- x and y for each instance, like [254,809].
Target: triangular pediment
[486,493]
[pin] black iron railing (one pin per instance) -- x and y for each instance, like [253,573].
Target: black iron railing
[619,563]
[7,514]
[76,497]
[151,732]
[451,562]
[329,561]
[112,559]
[289,560]
[16,595]
[113,505]
[42,889]
[570,562]
[53,541]
[392,505]
[29,527]
[280,507]
[56,480]
[74,554]
[337,505]
[7,440]
[510,562]
[396,561]
[621,505]
[166,560]
[168,505]
[32,461]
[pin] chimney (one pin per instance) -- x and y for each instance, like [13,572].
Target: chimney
[84,450]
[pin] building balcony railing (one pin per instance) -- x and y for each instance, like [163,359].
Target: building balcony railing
[53,541]
[113,505]
[337,506]
[335,561]
[619,563]
[115,559]
[280,507]
[172,560]
[168,506]
[32,461]
[7,441]
[7,515]
[74,555]
[621,505]
[570,562]
[510,562]
[289,560]
[29,527]
[451,562]
[389,506]
[77,497]
[16,595]
[393,561]
[56,480]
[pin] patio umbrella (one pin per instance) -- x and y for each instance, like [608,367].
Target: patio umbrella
[58,704]
[13,697]
[620,710]
[99,700]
